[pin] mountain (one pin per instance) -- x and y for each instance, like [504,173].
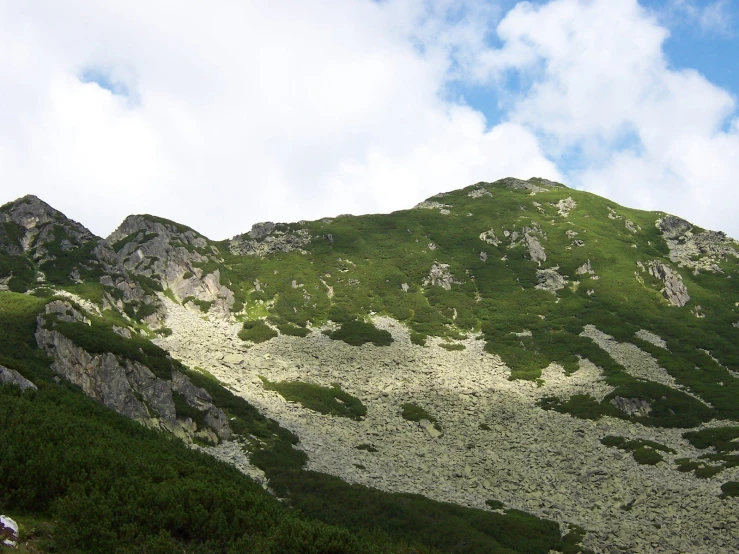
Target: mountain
[511,367]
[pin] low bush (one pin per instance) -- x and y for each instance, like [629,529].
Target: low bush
[257,331]
[326,400]
[357,333]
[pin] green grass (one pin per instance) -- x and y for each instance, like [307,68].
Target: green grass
[325,400]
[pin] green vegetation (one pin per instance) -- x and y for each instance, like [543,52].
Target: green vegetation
[644,451]
[495,504]
[325,400]
[367,447]
[723,440]
[729,489]
[257,331]
[293,330]
[357,333]
[204,305]
[413,412]
[452,346]
[111,485]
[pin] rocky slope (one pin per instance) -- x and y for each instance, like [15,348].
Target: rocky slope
[576,360]
[496,443]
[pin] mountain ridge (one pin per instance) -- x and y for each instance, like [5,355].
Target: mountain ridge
[487,326]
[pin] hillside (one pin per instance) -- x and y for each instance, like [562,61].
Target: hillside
[511,367]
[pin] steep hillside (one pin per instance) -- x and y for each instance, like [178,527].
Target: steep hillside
[518,348]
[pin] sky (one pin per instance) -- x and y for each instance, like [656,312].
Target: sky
[222,114]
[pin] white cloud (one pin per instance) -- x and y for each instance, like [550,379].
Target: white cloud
[230,113]
[712,18]
[644,134]
[241,113]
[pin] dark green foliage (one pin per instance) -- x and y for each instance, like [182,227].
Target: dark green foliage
[184,410]
[257,331]
[729,489]
[99,338]
[644,451]
[326,400]
[413,518]
[418,338]
[367,447]
[495,504]
[452,346]
[723,439]
[357,333]
[413,412]
[112,485]
[293,330]
[244,418]
[204,305]
[18,349]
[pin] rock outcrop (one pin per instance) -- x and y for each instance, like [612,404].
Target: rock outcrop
[550,280]
[263,240]
[12,377]
[674,290]
[440,276]
[172,255]
[128,387]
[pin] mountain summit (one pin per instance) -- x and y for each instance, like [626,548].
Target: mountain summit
[515,366]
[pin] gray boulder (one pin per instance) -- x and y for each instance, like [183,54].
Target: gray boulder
[12,377]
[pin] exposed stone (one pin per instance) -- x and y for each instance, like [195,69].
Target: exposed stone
[271,244]
[550,279]
[585,269]
[440,276]
[536,251]
[673,226]
[635,407]
[260,230]
[12,377]
[483,256]
[8,532]
[478,192]
[565,206]
[674,290]
[404,287]
[122,331]
[128,387]
[433,205]
[643,334]
[631,226]
[531,459]
[490,238]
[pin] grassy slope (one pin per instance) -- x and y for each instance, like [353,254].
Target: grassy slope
[369,257]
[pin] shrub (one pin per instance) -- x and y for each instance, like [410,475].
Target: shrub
[326,400]
[357,333]
[257,331]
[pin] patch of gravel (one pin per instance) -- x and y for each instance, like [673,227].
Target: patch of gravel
[650,337]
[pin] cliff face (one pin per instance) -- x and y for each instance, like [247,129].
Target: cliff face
[176,257]
[125,386]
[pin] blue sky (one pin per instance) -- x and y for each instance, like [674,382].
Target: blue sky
[711,48]
[223,114]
